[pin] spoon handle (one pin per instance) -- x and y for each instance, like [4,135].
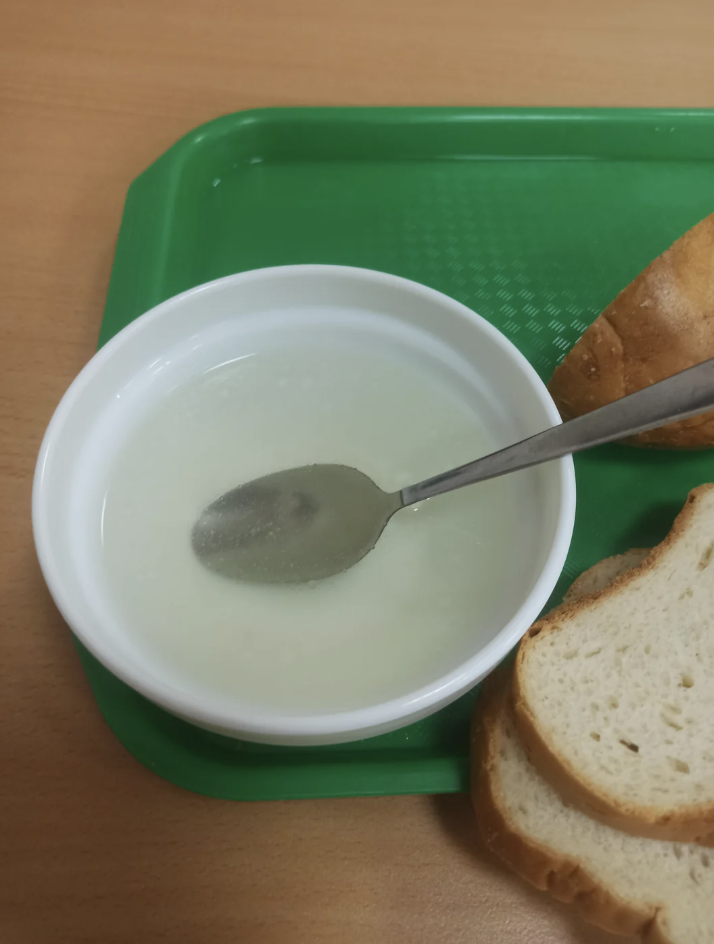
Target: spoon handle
[685,394]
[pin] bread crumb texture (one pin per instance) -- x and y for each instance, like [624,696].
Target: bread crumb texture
[620,686]
[663,890]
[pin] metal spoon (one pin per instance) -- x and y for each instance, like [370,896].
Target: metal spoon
[312,522]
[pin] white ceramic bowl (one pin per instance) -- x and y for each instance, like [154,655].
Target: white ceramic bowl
[202,327]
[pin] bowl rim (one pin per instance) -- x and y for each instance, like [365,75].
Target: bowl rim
[358,722]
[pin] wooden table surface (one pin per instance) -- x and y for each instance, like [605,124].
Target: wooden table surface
[92,846]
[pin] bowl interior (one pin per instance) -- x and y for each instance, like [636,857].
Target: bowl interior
[219,322]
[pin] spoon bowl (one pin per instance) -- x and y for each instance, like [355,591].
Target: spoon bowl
[294,526]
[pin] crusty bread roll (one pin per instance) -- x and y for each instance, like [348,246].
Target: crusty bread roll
[662,323]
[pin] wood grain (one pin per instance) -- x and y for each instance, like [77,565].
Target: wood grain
[94,847]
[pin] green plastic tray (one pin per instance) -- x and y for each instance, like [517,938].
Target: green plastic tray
[535,219]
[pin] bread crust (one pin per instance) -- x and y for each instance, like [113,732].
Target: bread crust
[694,823]
[562,876]
[661,323]
[598,574]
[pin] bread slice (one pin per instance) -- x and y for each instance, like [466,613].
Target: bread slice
[598,576]
[614,694]
[660,890]
[663,322]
